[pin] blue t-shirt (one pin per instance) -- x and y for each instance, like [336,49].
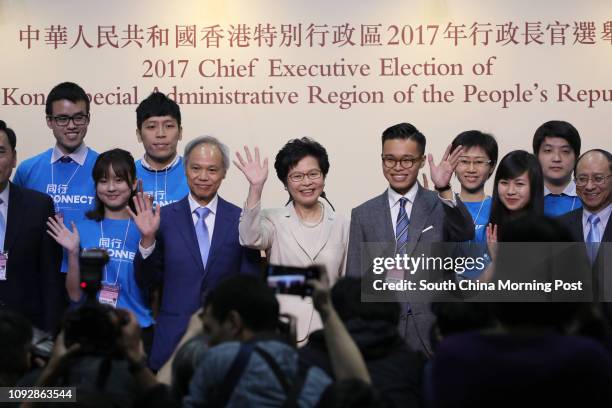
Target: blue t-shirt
[166,186]
[120,238]
[480,211]
[70,185]
[477,247]
[559,204]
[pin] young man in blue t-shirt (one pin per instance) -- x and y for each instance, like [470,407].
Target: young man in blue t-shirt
[64,171]
[557,145]
[158,120]
[476,164]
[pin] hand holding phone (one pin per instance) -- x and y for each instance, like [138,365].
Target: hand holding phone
[290,280]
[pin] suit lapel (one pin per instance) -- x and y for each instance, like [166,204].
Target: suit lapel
[17,209]
[607,235]
[421,208]
[223,222]
[382,222]
[186,228]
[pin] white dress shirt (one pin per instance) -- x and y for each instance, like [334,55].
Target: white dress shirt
[79,155]
[193,206]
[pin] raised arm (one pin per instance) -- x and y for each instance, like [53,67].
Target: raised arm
[255,231]
[347,361]
[255,172]
[69,240]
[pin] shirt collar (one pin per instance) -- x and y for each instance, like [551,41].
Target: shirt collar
[570,189]
[212,205]
[394,196]
[147,166]
[604,214]
[79,155]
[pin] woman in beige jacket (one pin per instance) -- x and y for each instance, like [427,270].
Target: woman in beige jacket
[306,231]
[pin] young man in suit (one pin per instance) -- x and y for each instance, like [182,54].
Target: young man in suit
[406,218]
[191,245]
[30,279]
[591,223]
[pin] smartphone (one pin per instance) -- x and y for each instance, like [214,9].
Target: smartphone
[289,280]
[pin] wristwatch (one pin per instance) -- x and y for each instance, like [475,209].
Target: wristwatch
[442,189]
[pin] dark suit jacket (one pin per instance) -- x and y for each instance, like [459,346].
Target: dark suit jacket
[34,285]
[177,265]
[371,223]
[602,267]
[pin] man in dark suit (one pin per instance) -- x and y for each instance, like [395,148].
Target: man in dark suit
[407,218]
[591,223]
[190,245]
[30,278]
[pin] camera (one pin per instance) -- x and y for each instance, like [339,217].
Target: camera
[96,327]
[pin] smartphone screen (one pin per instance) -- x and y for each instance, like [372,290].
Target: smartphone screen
[289,280]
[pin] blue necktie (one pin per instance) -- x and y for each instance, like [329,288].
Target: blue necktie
[2,228]
[401,228]
[202,233]
[593,238]
[66,159]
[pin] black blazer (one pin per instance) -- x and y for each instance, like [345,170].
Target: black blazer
[34,285]
[602,267]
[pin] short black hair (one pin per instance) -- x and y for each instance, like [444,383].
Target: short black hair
[511,166]
[69,91]
[124,167]
[476,138]
[405,131]
[346,298]
[157,104]
[15,338]
[557,128]
[10,134]
[606,154]
[294,151]
[250,297]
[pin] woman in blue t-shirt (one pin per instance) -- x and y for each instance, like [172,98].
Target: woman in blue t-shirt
[108,226]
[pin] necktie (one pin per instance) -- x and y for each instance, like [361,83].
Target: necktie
[202,233]
[2,228]
[65,159]
[593,238]
[401,228]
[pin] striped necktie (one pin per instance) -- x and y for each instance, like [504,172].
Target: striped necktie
[401,228]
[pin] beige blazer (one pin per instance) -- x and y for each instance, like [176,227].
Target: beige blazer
[278,232]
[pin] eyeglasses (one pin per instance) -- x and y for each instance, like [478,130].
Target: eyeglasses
[390,162]
[312,175]
[79,119]
[475,163]
[598,179]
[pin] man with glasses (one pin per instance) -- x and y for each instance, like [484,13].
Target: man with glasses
[64,171]
[556,144]
[406,219]
[591,223]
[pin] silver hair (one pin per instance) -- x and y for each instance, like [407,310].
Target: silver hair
[211,140]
